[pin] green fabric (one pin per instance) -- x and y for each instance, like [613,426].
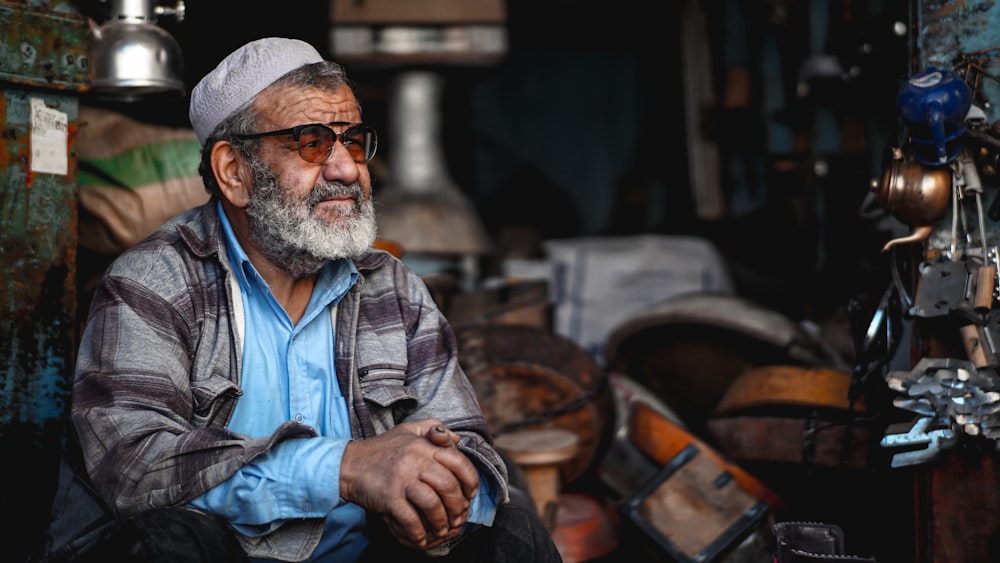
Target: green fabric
[144,165]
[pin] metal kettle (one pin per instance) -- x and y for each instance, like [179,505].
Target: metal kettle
[916,195]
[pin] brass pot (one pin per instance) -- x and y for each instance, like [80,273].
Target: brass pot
[914,194]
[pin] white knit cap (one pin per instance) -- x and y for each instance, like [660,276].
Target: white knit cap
[241,76]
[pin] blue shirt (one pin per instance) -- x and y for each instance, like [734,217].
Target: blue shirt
[288,374]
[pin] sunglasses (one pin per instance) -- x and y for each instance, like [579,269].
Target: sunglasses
[316,140]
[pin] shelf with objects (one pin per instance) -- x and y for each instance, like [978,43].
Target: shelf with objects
[931,346]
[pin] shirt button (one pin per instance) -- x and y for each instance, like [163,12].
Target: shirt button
[299,418]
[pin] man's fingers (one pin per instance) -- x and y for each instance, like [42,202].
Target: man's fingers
[407,524]
[415,475]
[451,495]
[463,470]
[400,533]
[428,502]
[427,542]
[441,436]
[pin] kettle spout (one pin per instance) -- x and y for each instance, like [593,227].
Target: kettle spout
[918,234]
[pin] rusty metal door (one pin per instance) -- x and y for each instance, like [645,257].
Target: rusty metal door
[44,57]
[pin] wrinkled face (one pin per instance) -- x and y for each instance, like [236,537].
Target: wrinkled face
[302,214]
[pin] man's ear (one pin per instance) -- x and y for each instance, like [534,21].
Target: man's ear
[229,172]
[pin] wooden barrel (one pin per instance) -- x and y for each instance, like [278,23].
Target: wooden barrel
[527,377]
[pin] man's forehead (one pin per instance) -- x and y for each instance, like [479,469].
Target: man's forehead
[308,105]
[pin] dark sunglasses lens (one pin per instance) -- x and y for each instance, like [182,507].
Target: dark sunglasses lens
[361,142]
[315,143]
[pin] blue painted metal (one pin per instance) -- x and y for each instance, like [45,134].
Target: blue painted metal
[964,36]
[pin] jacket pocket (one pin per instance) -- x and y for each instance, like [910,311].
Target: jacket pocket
[209,396]
[387,395]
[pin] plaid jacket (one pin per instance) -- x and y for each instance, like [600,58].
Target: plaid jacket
[158,376]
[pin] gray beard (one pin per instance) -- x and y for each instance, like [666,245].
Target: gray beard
[292,236]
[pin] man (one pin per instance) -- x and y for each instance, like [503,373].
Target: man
[256,380]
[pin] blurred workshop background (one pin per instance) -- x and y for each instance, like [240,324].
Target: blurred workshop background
[670,233]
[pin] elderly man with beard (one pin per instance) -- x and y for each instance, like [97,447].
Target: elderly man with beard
[256,382]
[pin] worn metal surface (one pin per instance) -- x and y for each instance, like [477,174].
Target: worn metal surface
[38,260]
[952,34]
[38,232]
[43,56]
[42,47]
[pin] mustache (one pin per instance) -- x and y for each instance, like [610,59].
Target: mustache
[336,189]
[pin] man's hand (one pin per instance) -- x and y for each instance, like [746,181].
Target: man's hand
[416,477]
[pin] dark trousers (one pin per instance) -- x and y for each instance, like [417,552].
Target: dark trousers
[177,535]
[517,536]
[167,535]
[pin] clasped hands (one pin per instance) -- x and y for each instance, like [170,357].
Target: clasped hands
[416,477]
